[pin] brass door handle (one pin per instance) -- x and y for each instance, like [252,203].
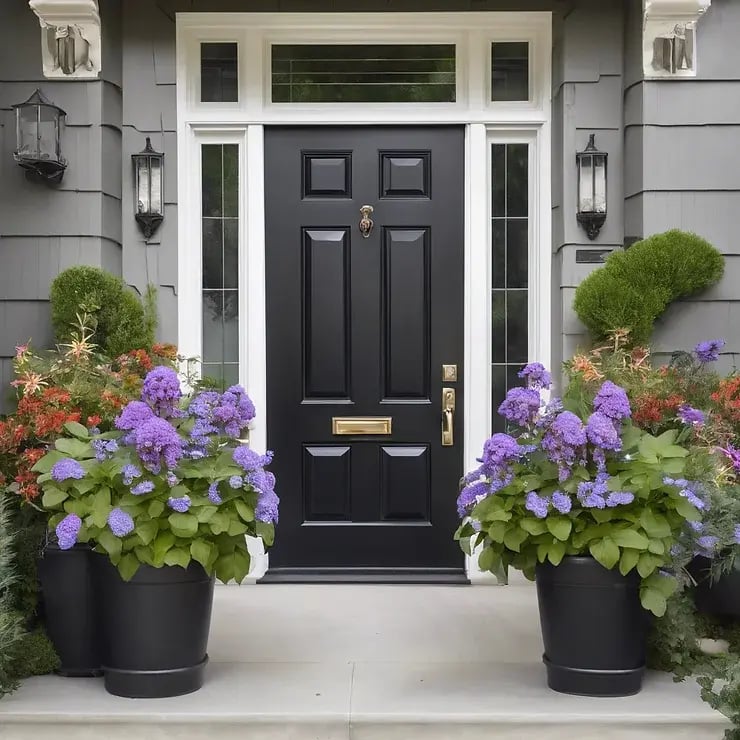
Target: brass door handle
[448,417]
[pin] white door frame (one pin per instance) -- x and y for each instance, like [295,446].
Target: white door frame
[486,122]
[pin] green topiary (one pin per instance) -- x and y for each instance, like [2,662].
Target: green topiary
[636,285]
[119,319]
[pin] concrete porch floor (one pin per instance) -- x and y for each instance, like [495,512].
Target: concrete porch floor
[365,663]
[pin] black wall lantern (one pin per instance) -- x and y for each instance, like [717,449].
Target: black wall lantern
[38,132]
[148,188]
[591,165]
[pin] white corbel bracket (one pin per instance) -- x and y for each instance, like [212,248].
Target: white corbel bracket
[70,37]
[669,37]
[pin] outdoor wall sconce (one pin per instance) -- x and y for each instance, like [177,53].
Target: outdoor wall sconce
[591,165]
[38,131]
[148,188]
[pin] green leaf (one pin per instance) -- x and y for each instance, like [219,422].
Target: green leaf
[205,513]
[219,523]
[514,537]
[497,531]
[75,428]
[201,552]
[605,552]
[656,525]
[686,509]
[84,485]
[654,601]
[647,564]
[673,451]
[177,556]
[74,447]
[53,496]
[128,565]
[245,512]
[630,538]
[161,546]
[156,508]
[533,526]
[183,525]
[464,543]
[656,546]
[266,531]
[46,463]
[628,561]
[236,528]
[556,552]
[666,585]
[602,515]
[110,543]
[560,527]
[242,562]
[147,531]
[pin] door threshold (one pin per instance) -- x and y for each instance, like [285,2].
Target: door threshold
[418,576]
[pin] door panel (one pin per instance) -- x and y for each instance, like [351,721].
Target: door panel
[360,327]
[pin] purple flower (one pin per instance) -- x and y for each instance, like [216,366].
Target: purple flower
[501,449]
[691,416]
[213,495]
[104,448]
[133,415]
[619,498]
[261,480]
[120,523]
[733,455]
[67,468]
[161,390]
[130,472]
[689,491]
[564,442]
[709,351]
[249,459]
[157,441]
[234,411]
[67,531]
[562,502]
[592,494]
[236,481]
[470,495]
[172,479]
[612,401]
[146,486]
[537,505]
[521,406]
[536,375]
[180,504]
[737,534]
[267,508]
[707,543]
[602,433]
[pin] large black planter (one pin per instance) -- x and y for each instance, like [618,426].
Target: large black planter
[720,598]
[593,627]
[69,609]
[154,628]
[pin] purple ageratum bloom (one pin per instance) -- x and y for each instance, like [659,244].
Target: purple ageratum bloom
[161,390]
[501,449]
[157,441]
[213,494]
[146,486]
[709,351]
[688,490]
[130,472]
[602,433]
[249,459]
[619,498]
[521,406]
[470,495]
[707,543]
[236,481]
[612,401]
[133,415]
[592,494]
[536,375]
[562,502]
[538,505]
[267,508]
[234,411]
[104,448]
[180,504]
[261,480]
[67,531]
[691,416]
[736,539]
[67,468]
[120,523]
[564,442]
[172,480]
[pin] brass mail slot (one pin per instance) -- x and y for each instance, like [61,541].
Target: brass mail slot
[361,425]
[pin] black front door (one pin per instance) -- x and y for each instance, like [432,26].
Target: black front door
[361,319]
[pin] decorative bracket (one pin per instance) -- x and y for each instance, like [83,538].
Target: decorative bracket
[669,37]
[70,37]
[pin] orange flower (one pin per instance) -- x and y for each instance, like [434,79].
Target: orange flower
[93,421]
[30,383]
[581,364]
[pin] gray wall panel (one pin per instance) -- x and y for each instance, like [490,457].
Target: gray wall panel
[21,321]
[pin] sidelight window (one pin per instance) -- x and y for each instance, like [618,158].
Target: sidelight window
[220,262]
[510,269]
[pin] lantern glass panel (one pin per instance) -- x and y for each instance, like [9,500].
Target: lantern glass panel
[27,131]
[48,134]
[142,185]
[599,184]
[586,185]
[156,185]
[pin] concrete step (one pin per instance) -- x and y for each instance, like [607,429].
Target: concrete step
[365,663]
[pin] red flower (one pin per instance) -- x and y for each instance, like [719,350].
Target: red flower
[93,421]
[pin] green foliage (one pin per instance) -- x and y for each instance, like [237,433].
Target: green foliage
[11,624]
[120,321]
[635,286]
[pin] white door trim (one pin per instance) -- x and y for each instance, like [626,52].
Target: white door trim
[243,123]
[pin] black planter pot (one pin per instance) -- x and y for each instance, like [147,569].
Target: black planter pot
[720,598]
[69,609]
[593,627]
[154,628]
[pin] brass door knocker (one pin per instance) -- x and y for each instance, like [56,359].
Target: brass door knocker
[366,223]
